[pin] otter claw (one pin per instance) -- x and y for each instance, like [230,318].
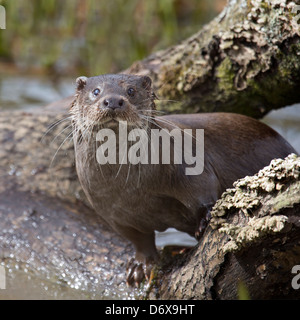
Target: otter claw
[136,272]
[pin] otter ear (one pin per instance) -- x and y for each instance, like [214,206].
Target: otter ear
[81,82]
[146,82]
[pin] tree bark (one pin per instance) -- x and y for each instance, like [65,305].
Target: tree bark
[245,61]
[252,240]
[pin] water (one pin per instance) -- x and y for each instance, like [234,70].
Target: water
[286,121]
[29,92]
[25,93]
[25,285]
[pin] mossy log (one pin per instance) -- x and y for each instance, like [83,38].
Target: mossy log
[246,61]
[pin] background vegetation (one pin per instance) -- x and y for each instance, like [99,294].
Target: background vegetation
[91,37]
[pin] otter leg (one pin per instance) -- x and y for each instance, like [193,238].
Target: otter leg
[146,254]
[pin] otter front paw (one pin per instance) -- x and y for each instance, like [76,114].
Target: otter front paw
[136,272]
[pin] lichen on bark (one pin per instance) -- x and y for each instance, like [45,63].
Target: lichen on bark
[253,235]
[259,199]
[253,231]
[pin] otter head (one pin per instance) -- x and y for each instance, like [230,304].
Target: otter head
[107,99]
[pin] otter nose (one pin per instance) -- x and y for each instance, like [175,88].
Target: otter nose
[113,102]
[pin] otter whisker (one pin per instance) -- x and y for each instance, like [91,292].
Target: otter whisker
[68,136]
[120,166]
[66,128]
[153,111]
[94,146]
[170,100]
[53,125]
[152,120]
[128,173]
[174,125]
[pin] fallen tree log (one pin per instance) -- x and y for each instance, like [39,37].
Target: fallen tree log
[246,61]
[253,239]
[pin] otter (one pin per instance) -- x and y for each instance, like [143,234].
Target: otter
[136,199]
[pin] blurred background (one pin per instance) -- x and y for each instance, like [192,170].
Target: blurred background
[63,38]
[49,43]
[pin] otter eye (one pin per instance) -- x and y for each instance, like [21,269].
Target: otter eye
[131,92]
[96,92]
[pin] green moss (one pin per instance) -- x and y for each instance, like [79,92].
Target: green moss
[226,75]
[243,292]
[283,79]
[290,63]
[263,5]
[266,6]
